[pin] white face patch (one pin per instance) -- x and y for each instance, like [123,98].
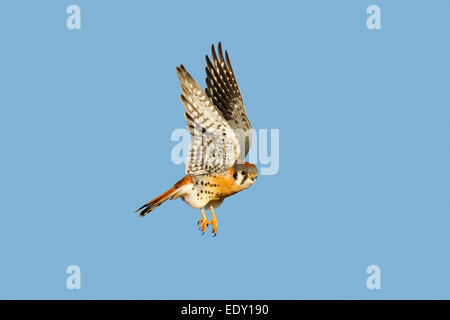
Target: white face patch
[244,179]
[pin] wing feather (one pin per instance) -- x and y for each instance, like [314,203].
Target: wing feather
[214,147]
[223,90]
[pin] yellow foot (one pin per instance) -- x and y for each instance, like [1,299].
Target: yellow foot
[202,221]
[213,222]
[202,224]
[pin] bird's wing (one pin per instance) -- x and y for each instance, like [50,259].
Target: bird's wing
[223,90]
[214,147]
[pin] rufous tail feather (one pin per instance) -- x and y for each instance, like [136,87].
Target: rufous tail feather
[155,203]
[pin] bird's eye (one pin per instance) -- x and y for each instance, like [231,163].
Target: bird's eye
[244,173]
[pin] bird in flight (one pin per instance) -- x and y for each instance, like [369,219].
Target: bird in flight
[221,138]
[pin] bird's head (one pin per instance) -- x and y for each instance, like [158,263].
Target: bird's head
[245,174]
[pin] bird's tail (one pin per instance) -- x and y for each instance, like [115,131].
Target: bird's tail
[153,204]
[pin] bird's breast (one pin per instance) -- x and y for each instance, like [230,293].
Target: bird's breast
[209,187]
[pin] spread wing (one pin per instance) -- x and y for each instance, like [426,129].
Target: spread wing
[214,147]
[223,90]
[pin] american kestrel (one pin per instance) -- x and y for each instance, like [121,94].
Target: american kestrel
[221,138]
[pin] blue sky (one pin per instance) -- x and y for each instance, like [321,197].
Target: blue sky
[87,116]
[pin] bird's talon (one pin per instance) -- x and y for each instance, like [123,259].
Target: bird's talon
[213,223]
[202,223]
